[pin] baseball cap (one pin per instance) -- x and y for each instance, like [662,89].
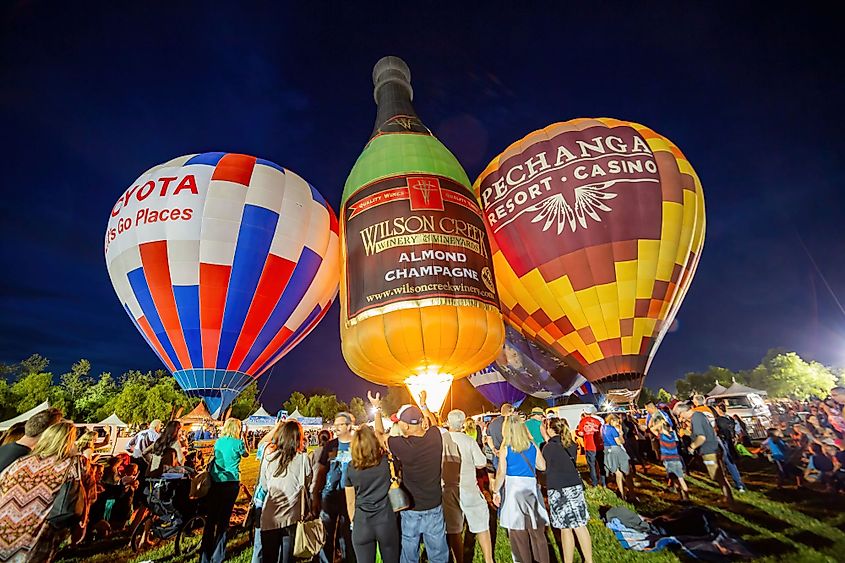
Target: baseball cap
[536,410]
[410,414]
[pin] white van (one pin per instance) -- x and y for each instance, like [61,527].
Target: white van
[571,413]
[750,407]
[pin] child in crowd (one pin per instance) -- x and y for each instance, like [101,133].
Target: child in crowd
[669,454]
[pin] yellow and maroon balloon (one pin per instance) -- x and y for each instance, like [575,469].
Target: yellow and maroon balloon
[596,230]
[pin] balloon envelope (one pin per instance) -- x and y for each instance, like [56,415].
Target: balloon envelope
[495,388]
[596,227]
[224,262]
[533,370]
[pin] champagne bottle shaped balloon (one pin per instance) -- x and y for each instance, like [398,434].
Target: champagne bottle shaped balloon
[418,300]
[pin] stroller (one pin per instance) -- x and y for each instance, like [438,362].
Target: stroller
[167,498]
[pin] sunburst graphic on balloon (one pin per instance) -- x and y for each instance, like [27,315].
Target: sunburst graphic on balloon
[589,200]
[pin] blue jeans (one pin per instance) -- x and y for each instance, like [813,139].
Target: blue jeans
[213,545]
[277,545]
[732,469]
[257,555]
[594,462]
[432,527]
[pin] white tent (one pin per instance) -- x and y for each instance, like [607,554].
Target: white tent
[740,389]
[260,419]
[296,415]
[6,424]
[717,390]
[112,420]
[261,412]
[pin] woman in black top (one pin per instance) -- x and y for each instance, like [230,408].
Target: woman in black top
[367,483]
[567,505]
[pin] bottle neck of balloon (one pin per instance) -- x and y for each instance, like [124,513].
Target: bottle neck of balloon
[394,101]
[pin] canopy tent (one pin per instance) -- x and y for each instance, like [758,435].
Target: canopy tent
[718,390]
[112,420]
[740,389]
[6,424]
[261,412]
[260,419]
[199,415]
[309,421]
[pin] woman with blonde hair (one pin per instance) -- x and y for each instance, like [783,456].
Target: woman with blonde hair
[224,470]
[567,505]
[29,487]
[523,511]
[367,484]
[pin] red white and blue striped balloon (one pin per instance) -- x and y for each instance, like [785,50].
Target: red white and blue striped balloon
[586,388]
[495,388]
[224,262]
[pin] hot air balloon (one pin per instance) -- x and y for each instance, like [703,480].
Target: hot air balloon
[418,300]
[585,389]
[495,388]
[224,262]
[534,371]
[596,226]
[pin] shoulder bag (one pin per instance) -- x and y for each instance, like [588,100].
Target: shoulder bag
[70,503]
[399,498]
[201,482]
[310,534]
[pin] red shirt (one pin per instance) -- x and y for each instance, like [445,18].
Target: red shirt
[590,429]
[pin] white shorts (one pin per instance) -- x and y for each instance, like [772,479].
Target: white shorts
[465,503]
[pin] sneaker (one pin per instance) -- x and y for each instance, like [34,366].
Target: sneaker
[742,490]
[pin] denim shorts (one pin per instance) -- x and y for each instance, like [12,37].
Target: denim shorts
[674,467]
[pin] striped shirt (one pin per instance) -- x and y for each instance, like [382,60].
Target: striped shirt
[669,447]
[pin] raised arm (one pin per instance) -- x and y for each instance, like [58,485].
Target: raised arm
[375,401]
[269,436]
[432,419]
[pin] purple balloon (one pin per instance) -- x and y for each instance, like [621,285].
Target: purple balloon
[490,383]
[534,370]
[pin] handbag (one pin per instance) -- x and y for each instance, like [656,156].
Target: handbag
[201,482]
[398,497]
[310,534]
[70,503]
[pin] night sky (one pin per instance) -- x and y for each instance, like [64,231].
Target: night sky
[92,95]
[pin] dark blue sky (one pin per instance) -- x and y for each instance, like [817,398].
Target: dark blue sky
[92,95]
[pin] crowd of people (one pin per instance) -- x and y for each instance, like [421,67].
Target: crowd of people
[807,442]
[445,485]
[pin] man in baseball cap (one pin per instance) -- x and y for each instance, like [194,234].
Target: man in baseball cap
[535,426]
[420,452]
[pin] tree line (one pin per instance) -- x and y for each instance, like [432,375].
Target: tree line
[780,373]
[136,397]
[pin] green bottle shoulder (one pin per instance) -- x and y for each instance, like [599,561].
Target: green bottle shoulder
[403,153]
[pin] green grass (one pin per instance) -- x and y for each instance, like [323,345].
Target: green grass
[803,526]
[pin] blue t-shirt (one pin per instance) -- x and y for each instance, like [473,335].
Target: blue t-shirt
[336,457]
[518,466]
[608,435]
[778,452]
[228,452]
